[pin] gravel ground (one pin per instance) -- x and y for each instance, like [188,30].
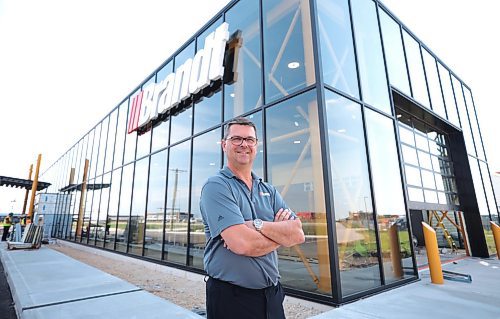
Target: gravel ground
[184,291]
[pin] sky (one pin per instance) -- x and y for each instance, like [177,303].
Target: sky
[65,64]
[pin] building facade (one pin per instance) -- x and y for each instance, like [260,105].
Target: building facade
[362,129]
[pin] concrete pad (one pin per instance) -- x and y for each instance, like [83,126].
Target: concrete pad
[46,276]
[479,299]
[46,284]
[133,305]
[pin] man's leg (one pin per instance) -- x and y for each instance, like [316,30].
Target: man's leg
[225,300]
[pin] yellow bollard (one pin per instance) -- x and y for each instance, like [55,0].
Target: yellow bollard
[431,247]
[496,235]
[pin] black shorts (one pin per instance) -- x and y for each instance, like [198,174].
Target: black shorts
[225,300]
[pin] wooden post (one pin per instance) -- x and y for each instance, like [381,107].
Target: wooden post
[27,190]
[81,207]
[397,266]
[34,188]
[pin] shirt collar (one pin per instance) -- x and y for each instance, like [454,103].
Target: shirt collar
[229,174]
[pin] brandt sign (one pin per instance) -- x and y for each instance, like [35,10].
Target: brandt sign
[190,81]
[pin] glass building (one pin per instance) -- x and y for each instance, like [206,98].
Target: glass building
[362,129]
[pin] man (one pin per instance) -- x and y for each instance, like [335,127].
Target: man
[245,220]
[7,222]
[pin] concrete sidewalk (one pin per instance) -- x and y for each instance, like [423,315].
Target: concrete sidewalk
[46,284]
[479,299]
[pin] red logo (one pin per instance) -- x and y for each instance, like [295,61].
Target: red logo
[135,112]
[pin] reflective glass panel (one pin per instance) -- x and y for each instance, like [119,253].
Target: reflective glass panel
[114,198]
[425,160]
[394,53]
[413,176]
[415,194]
[181,125]
[160,136]
[143,144]
[295,169]
[449,99]
[337,49]
[110,148]
[389,198]
[102,147]
[120,134]
[409,155]
[122,229]
[206,162]
[433,82]
[135,229]
[370,59]
[406,136]
[130,144]
[246,93]
[359,267]
[207,112]
[474,123]
[177,204]
[417,75]
[464,118]
[156,205]
[288,54]
[100,225]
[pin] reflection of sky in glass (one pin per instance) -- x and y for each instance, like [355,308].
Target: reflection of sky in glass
[449,100]
[416,69]
[206,163]
[140,187]
[348,157]
[385,164]
[433,82]
[178,170]
[157,183]
[120,134]
[111,141]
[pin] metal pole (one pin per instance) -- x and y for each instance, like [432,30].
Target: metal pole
[496,235]
[27,190]
[34,188]
[431,247]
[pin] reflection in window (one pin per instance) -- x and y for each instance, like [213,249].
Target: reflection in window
[394,53]
[102,147]
[415,194]
[156,205]
[95,152]
[434,85]
[130,143]
[474,123]
[357,245]
[337,50]
[120,134]
[246,93]
[135,230]
[207,112]
[417,75]
[206,162]
[143,144]
[160,136]
[413,176]
[177,204]
[112,222]
[464,119]
[124,210]
[111,141]
[389,200]
[295,169]
[409,155]
[181,125]
[288,54]
[99,222]
[449,99]
[370,58]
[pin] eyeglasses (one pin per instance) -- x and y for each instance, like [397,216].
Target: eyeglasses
[238,140]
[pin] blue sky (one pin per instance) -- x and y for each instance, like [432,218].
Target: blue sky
[65,64]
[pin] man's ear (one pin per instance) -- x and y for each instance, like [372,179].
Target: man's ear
[223,145]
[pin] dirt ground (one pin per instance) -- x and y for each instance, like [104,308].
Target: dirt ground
[182,291]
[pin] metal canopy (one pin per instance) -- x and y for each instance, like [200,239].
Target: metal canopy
[21,183]
[78,187]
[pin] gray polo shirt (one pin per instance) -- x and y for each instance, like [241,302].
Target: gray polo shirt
[227,201]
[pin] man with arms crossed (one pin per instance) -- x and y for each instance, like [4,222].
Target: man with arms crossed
[245,220]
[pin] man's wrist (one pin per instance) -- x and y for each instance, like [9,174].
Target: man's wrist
[258,224]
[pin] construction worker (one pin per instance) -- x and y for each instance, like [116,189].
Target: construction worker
[7,222]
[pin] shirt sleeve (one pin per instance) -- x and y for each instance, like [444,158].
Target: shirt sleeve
[219,208]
